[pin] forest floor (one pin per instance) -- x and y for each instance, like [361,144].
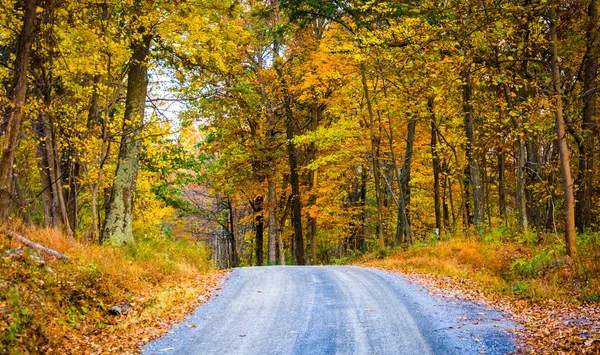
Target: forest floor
[101,300]
[553,300]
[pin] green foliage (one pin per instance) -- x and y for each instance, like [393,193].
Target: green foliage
[535,266]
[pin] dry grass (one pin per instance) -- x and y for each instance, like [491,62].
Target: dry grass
[555,301]
[535,272]
[62,306]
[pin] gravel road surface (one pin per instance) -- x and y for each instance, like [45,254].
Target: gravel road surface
[333,310]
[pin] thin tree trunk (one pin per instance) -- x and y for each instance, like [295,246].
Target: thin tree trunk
[585,177]
[472,156]
[521,198]
[295,182]
[59,188]
[563,148]
[272,196]
[311,232]
[14,114]
[118,228]
[311,154]
[362,204]
[435,160]
[44,168]
[22,201]
[59,207]
[501,184]
[258,205]
[374,156]
[232,242]
[403,229]
[292,153]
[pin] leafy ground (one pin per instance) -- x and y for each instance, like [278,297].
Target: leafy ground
[63,307]
[553,300]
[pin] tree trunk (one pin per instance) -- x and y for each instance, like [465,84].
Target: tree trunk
[258,205]
[563,148]
[374,157]
[362,233]
[118,227]
[585,177]
[58,178]
[233,254]
[14,114]
[44,168]
[435,160]
[501,184]
[311,231]
[23,205]
[403,229]
[521,198]
[311,154]
[295,182]
[472,155]
[272,196]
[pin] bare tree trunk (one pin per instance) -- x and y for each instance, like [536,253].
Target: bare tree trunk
[521,198]
[59,182]
[280,224]
[311,231]
[403,229]
[563,148]
[374,156]
[118,227]
[435,160]
[362,233]
[14,115]
[472,156]
[295,182]
[234,259]
[22,201]
[272,196]
[258,210]
[585,177]
[311,154]
[501,184]
[44,167]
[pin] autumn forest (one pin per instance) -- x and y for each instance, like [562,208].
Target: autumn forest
[304,132]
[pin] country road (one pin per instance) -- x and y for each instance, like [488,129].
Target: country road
[333,310]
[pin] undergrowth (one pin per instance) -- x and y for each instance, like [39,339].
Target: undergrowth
[54,306]
[526,266]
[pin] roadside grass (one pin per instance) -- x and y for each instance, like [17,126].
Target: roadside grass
[554,300]
[63,307]
[523,266]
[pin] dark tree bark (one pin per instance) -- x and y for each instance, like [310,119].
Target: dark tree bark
[435,161]
[295,182]
[233,254]
[311,154]
[258,210]
[13,116]
[472,155]
[521,150]
[501,184]
[586,144]
[44,168]
[403,228]
[374,156]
